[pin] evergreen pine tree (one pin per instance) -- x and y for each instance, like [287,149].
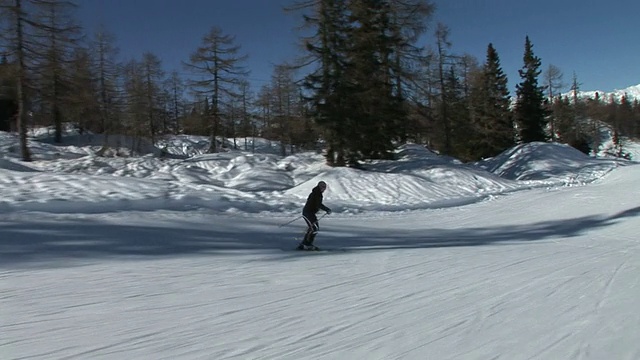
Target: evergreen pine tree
[494,128]
[530,111]
[378,112]
[409,22]
[326,83]
[362,48]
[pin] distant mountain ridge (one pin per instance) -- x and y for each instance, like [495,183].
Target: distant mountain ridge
[632,93]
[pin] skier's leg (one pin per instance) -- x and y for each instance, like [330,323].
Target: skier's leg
[315,227]
[312,229]
[305,240]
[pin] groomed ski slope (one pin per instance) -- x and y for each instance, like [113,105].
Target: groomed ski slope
[544,273]
[537,274]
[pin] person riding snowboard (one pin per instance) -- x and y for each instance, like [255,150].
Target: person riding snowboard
[312,206]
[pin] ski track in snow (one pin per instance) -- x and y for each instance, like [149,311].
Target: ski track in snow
[407,306]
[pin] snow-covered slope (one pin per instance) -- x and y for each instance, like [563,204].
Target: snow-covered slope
[631,92]
[542,161]
[149,258]
[243,181]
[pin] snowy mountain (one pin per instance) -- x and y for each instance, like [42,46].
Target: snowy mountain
[530,255]
[632,93]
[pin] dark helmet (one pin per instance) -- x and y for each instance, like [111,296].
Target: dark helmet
[322,185]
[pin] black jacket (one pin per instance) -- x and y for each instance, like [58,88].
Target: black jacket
[314,202]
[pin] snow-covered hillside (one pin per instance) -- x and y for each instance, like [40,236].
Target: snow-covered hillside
[74,178]
[530,255]
[631,92]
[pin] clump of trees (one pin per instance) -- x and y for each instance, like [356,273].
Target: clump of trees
[366,83]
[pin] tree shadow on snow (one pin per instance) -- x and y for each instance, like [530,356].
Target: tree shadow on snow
[438,238]
[61,243]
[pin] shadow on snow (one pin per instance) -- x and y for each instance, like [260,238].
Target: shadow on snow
[60,243]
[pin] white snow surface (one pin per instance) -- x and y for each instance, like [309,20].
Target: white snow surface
[631,93]
[533,254]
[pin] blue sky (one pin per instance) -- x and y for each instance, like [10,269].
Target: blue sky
[595,39]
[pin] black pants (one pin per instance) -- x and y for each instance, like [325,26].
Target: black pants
[312,228]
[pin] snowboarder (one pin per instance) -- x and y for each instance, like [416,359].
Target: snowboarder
[312,206]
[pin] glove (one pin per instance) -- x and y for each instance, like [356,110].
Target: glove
[328,211]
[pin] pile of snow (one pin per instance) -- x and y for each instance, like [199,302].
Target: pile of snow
[543,161]
[189,145]
[262,181]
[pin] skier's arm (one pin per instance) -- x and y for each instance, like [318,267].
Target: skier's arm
[324,208]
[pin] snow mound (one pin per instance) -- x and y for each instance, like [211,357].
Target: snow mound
[237,170]
[539,161]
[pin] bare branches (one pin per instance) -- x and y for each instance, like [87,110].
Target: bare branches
[217,61]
